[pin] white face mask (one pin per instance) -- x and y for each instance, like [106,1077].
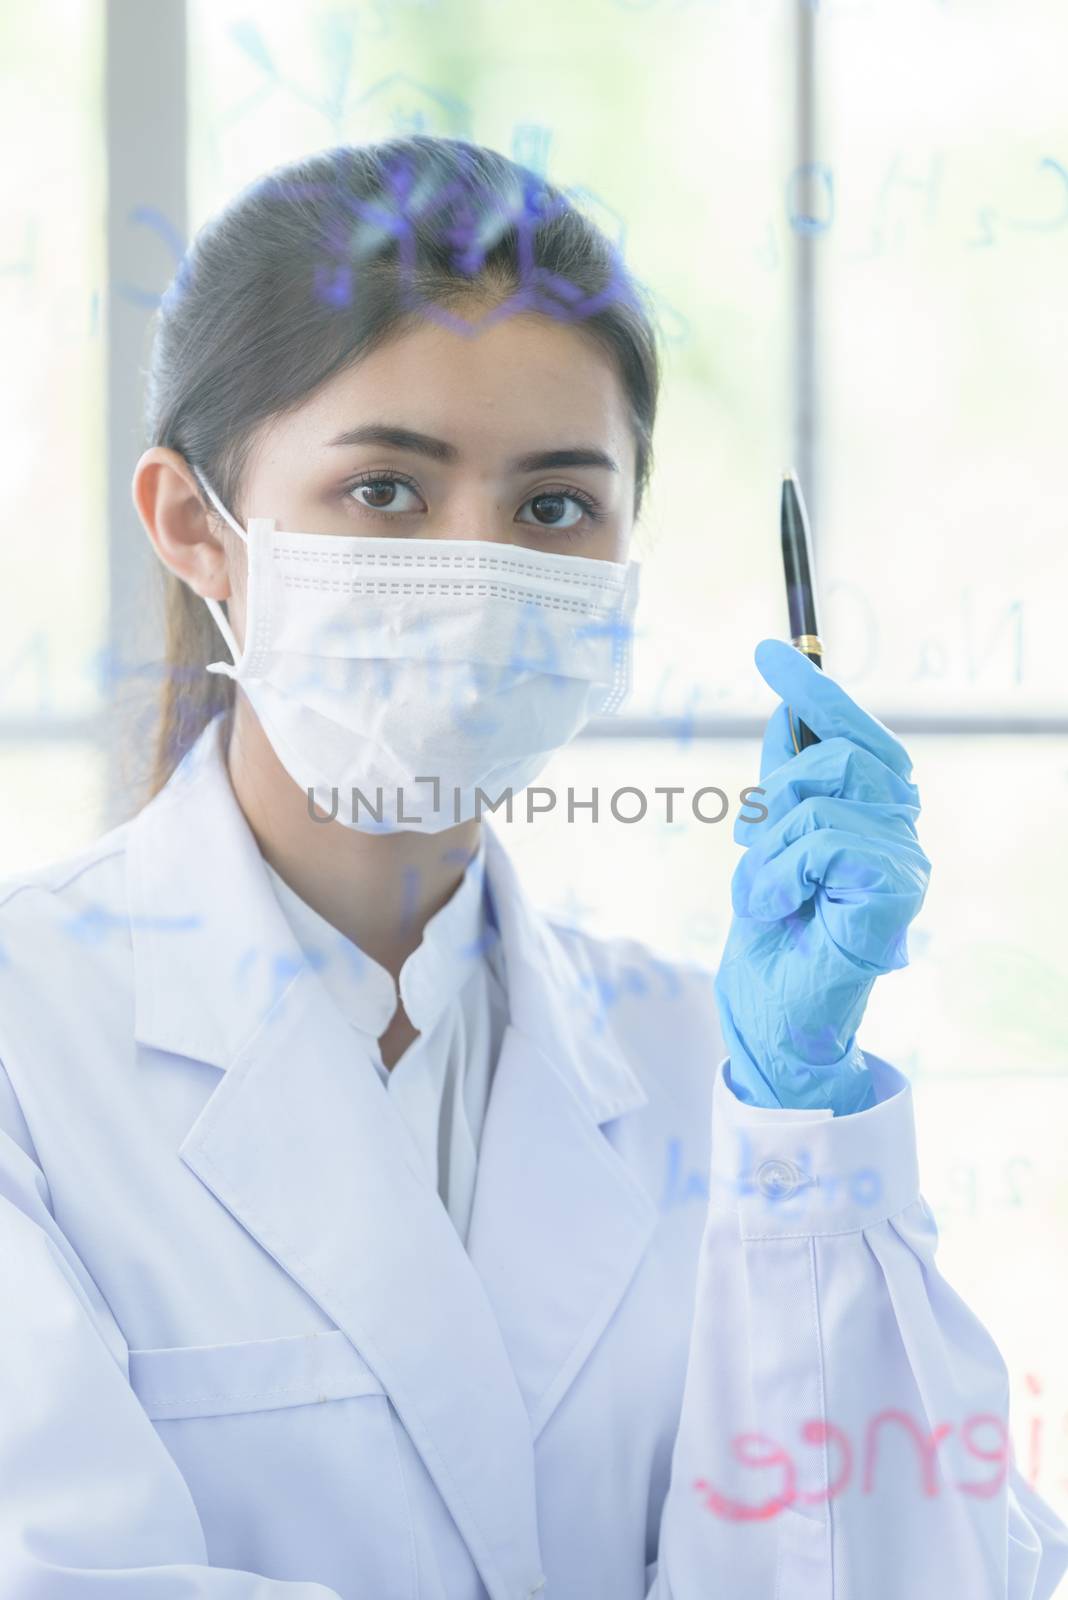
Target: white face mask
[417,671]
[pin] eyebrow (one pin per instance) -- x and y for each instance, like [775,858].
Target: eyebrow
[439,450]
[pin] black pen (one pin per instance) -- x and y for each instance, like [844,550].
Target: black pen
[800,591]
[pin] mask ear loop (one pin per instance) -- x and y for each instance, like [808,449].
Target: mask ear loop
[217,612]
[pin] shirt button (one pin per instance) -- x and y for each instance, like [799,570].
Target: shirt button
[777,1180]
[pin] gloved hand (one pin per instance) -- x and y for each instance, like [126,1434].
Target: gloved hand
[822,897]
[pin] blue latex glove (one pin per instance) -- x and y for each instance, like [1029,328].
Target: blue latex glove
[822,897]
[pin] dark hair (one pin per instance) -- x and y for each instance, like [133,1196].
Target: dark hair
[311,268]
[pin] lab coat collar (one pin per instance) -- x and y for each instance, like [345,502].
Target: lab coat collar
[195,869]
[559,1224]
[555,996]
[297,1140]
[212,948]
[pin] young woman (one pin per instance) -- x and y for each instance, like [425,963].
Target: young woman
[336,1256]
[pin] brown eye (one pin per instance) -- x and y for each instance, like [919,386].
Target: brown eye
[551,509]
[382,494]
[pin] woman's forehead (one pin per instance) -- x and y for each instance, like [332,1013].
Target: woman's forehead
[523,381]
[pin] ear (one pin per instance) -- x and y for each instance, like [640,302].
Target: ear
[168,500]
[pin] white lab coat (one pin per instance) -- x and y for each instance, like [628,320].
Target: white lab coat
[244,1354]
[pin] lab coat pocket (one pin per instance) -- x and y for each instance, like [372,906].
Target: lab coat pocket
[213,1380]
[288,1447]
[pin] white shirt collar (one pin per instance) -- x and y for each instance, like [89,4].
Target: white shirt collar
[454,940]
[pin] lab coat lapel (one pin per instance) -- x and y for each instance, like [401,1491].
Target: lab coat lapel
[559,1223]
[299,1142]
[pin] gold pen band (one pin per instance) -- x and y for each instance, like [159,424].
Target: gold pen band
[808,644]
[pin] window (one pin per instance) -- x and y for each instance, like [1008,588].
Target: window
[54,575]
